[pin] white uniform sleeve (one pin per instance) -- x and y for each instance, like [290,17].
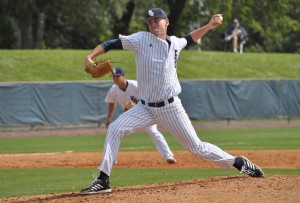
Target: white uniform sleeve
[110,97]
[180,42]
[131,42]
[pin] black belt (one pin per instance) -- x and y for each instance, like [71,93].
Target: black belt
[158,104]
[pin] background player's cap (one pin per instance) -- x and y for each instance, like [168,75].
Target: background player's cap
[118,71]
[236,21]
[155,13]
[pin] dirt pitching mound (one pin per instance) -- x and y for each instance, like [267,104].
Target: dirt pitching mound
[272,188]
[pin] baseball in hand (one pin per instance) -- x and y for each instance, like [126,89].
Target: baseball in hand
[219,18]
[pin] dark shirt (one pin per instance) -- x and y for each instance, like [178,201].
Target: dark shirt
[243,34]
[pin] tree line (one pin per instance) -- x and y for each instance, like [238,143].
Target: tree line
[273,25]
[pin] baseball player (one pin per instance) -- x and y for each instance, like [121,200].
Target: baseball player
[125,92]
[156,56]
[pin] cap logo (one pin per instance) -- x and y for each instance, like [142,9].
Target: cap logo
[114,71]
[150,13]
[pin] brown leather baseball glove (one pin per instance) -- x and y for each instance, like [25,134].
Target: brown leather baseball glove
[129,105]
[100,68]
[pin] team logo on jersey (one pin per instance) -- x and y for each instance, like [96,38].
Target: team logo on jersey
[175,57]
[150,13]
[135,100]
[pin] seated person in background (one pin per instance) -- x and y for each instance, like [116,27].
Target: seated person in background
[235,33]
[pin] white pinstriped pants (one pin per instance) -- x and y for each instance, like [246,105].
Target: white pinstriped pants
[173,118]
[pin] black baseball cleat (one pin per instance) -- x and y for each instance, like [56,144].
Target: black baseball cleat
[97,187]
[247,167]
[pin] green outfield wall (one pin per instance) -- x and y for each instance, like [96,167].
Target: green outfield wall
[73,103]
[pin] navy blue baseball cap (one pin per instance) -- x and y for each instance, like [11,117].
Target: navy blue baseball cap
[118,71]
[155,13]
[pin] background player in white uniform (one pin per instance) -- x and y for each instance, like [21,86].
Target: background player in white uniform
[122,92]
[156,56]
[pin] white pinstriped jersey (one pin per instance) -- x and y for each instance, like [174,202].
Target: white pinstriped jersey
[115,94]
[156,64]
[157,80]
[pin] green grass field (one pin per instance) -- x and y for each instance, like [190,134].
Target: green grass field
[274,138]
[68,65]
[18,182]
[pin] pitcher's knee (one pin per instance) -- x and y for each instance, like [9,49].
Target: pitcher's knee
[199,150]
[116,130]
